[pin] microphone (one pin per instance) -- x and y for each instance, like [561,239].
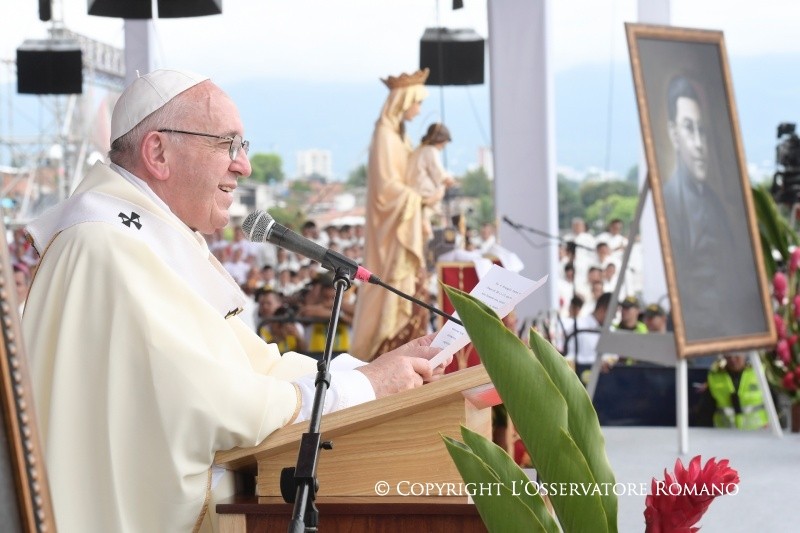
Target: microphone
[510,223]
[260,227]
[518,226]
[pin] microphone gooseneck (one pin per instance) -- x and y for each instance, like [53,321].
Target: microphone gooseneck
[260,227]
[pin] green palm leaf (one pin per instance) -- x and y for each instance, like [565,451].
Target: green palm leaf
[775,231]
[540,414]
[582,420]
[511,474]
[500,510]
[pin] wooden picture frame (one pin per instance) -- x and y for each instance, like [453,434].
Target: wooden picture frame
[25,504]
[701,191]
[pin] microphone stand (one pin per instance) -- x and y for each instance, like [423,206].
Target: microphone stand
[375,280]
[303,477]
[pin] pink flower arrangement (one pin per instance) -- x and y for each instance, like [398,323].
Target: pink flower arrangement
[783,363]
[676,504]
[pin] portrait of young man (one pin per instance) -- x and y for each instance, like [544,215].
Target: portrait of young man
[700,189]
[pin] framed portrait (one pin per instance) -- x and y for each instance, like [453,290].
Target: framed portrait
[25,504]
[697,173]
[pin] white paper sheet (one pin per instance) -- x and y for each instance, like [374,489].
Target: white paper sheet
[501,290]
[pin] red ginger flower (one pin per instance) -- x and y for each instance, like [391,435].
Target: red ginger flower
[794,261]
[678,502]
[780,327]
[779,285]
[789,382]
[782,349]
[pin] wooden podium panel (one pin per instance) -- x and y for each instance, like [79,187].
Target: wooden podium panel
[384,452]
[354,515]
[393,439]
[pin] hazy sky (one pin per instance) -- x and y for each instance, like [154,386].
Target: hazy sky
[358,40]
[364,40]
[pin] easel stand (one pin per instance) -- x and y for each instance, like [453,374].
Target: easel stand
[660,348]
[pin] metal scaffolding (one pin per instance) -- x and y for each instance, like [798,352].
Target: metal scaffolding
[45,149]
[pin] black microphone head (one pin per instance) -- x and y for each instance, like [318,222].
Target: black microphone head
[256,226]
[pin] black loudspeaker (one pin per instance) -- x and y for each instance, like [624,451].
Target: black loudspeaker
[126,9]
[455,57]
[47,67]
[45,10]
[188,8]
[143,9]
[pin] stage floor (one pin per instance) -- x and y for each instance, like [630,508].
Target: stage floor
[768,466]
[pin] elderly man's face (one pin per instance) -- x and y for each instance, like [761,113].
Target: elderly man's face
[689,137]
[203,176]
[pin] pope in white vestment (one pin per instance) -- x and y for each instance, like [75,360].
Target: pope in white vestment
[134,369]
[141,368]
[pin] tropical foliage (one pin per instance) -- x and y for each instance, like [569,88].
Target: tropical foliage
[555,419]
[781,255]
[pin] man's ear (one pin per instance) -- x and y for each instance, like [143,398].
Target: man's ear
[153,155]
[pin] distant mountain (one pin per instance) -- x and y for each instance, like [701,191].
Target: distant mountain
[766,88]
[285,116]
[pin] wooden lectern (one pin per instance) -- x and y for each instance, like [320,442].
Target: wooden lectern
[395,440]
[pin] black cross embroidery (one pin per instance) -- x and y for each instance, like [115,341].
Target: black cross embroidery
[133,219]
[234,312]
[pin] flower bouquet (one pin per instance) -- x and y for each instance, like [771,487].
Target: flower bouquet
[780,244]
[783,363]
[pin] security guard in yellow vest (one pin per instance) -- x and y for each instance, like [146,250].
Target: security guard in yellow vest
[734,386]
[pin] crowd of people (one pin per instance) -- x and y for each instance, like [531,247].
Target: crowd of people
[291,297]
[590,266]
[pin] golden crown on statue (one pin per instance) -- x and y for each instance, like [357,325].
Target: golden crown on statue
[406,80]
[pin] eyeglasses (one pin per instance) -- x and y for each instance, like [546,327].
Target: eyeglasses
[236,141]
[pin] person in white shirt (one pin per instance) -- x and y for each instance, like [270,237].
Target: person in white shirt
[581,336]
[614,237]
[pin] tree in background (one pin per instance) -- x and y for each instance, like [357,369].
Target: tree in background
[611,207]
[569,201]
[593,190]
[357,177]
[289,216]
[476,184]
[597,200]
[483,213]
[267,168]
